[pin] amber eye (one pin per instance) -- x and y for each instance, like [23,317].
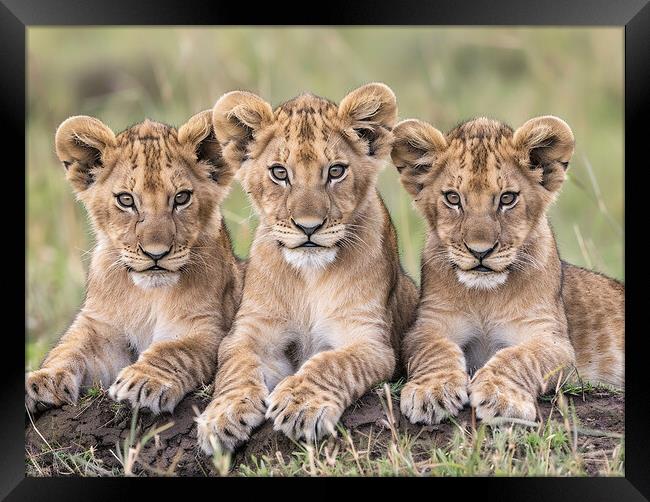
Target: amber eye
[336,171]
[508,198]
[453,198]
[279,173]
[182,198]
[125,199]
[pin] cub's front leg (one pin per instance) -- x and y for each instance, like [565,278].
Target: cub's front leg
[437,379]
[239,392]
[510,382]
[309,403]
[90,351]
[168,370]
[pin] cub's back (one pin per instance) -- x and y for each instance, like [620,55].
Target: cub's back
[595,310]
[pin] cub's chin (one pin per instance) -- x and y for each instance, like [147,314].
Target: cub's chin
[309,258]
[158,279]
[481,280]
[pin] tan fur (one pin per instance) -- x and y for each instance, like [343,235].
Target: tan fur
[506,329]
[595,309]
[312,333]
[157,342]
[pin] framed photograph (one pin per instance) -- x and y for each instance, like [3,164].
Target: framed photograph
[390,242]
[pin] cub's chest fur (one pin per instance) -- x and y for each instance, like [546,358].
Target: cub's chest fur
[151,323]
[334,302]
[480,339]
[326,313]
[316,316]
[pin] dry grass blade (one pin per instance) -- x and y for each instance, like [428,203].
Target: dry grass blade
[129,456]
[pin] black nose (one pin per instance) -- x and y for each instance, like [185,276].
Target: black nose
[155,256]
[479,255]
[308,230]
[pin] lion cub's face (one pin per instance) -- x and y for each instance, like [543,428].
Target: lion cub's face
[151,191]
[309,165]
[483,188]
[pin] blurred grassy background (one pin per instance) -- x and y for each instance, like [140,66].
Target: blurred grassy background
[442,75]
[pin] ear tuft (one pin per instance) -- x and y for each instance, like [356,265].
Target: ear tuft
[416,146]
[198,134]
[546,143]
[236,117]
[370,111]
[196,129]
[80,143]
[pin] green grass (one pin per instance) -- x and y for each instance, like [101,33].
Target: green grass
[487,451]
[579,389]
[83,464]
[544,449]
[205,392]
[554,446]
[395,388]
[442,75]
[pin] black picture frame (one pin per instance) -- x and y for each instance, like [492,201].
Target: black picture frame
[634,15]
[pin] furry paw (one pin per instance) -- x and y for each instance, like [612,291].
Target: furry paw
[230,418]
[51,387]
[493,394]
[430,399]
[146,389]
[302,412]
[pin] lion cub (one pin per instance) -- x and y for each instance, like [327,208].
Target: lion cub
[163,283]
[325,297]
[495,297]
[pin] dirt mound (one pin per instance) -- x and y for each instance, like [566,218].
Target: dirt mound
[101,437]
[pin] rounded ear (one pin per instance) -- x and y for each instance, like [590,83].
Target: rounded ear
[546,143]
[236,117]
[198,134]
[416,146]
[371,111]
[80,144]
